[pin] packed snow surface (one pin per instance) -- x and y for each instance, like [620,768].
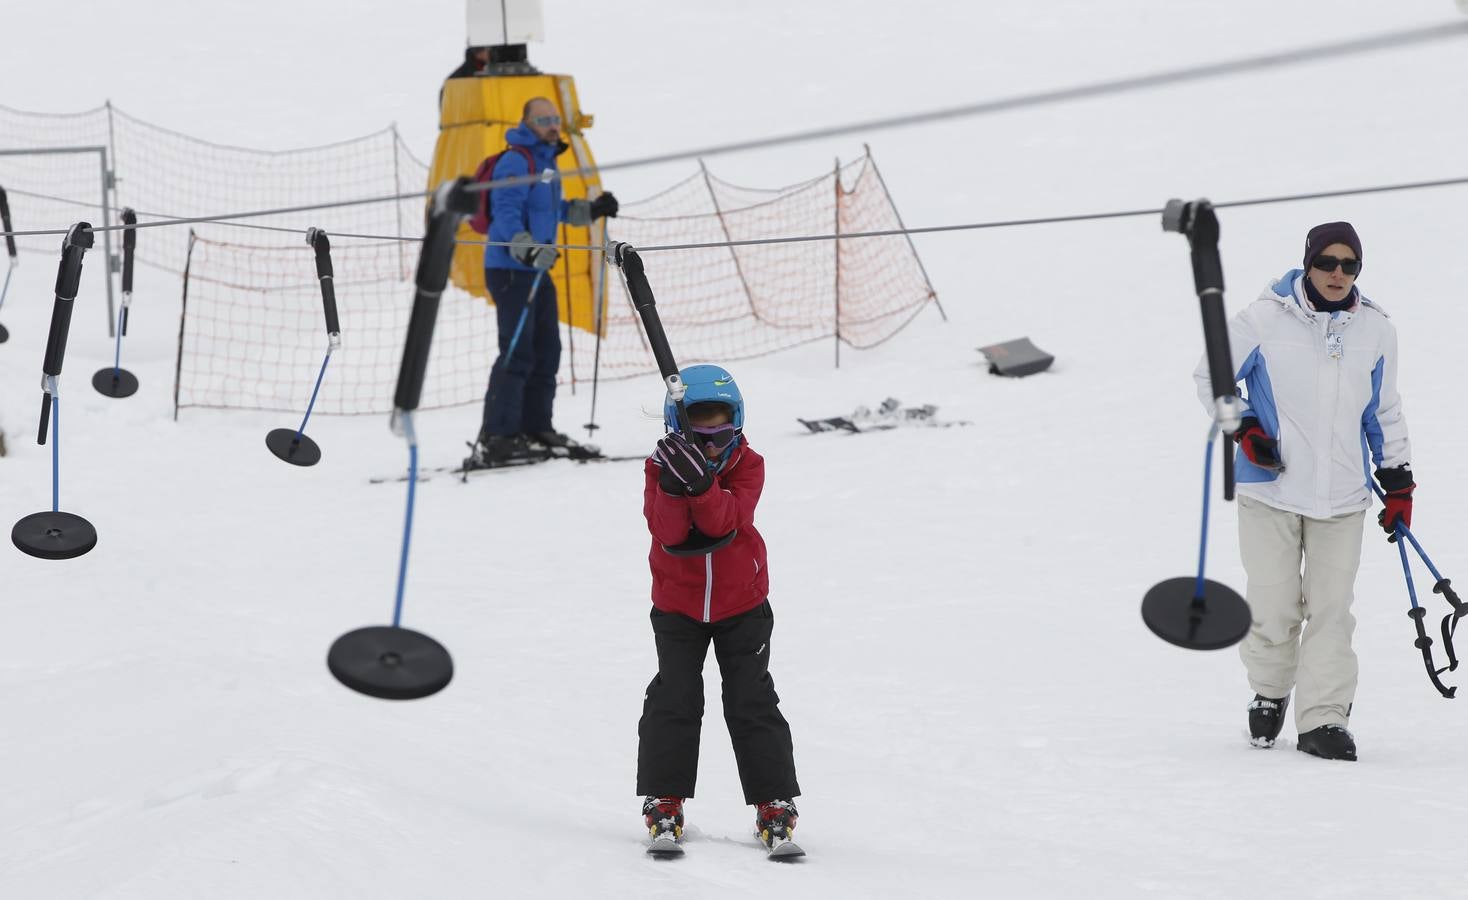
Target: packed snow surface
[977,707]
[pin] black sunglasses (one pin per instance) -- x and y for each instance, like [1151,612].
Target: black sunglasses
[1328,263]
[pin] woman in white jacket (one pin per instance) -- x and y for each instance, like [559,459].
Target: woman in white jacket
[1319,365]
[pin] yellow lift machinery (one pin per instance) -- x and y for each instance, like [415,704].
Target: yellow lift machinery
[477,110]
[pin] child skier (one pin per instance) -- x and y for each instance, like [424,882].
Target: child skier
[708,482]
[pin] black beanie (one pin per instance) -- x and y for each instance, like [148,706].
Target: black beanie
[1322,236]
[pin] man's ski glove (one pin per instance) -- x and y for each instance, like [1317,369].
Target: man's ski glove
[525,250]
[1260,449]
[1398,484]
[605,205]
[685,471]
[581,212]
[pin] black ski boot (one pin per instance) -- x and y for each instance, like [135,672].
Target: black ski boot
[1266,718]
[557,444]
[1328,742]
[497,450]
[774,821]
[664,819]
[550,438]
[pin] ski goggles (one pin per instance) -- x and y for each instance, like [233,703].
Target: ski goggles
[1328,263]
[720,436]
[546,121]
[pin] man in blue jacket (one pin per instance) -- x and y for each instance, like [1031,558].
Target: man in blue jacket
[526,217]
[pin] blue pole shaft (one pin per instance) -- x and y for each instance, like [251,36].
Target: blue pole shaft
[1404,531]
[397,612]
[1207,486]
[1407,571]
[314,391]
[117,350]
[55,452]
[6,290]
[524,314]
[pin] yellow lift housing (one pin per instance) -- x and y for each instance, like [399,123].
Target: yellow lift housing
[476,112]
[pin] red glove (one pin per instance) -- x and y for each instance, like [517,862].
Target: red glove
[1398,484]
[1260,449]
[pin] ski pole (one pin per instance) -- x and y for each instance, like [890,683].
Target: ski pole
[1443,586]
[14,259]
[1423,642]
[1207,486]
[319,242]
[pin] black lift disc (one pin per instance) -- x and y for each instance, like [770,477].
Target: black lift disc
[53,535]
[283,443]
[4,335]
[390,663]
[1220,620]
[699,544]
[111,382]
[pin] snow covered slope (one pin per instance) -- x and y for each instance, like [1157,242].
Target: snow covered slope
[977,708]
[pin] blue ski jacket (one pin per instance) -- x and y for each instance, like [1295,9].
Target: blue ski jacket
[536,208]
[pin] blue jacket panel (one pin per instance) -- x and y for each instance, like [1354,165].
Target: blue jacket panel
[536,208]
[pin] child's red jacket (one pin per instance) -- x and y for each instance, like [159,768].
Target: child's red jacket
[732,579]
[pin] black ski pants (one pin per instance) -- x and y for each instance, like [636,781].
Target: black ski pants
[522,383]
[672,711]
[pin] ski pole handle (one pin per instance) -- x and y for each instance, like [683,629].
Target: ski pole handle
[1199,223]
[129,246]
[68,277]
[451,203]
[626,256]
[322,245]
[45,425]
[5,219]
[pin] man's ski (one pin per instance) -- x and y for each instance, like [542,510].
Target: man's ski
[664,845]
[784,850]
[514,462]
[891,414]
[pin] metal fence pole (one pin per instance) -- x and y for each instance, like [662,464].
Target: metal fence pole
[107,243]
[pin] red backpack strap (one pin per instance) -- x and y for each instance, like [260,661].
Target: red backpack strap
[481,218]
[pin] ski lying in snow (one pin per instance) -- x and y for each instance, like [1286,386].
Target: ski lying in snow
[514,462]
[783,849]
[664,845]
[891,414]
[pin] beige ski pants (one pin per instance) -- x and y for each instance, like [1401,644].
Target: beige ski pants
[1319,665]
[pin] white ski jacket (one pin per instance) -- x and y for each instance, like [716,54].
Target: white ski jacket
[1325,385]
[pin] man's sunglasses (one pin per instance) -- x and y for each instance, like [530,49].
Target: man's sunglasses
[1328,264]
[720,436]
[545,121]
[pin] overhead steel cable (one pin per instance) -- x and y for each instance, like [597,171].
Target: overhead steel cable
[1277,59]
[891,232]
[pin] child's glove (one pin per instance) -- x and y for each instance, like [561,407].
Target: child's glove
[685,472]
[1398,484]
[1259,448]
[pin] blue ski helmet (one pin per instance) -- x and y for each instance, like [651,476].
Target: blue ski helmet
[707,384]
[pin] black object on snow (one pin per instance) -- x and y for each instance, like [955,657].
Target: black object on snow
[393,662]
[115,381]
[53,535]
[1174,611]
[1195,612]
[1016,358]
[293,446]
[56,534]
[390,663]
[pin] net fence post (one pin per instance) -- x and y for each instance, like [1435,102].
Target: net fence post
[183,318]
[837,244]
[892,204]
[107,243]
[398,204]
[724,227]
